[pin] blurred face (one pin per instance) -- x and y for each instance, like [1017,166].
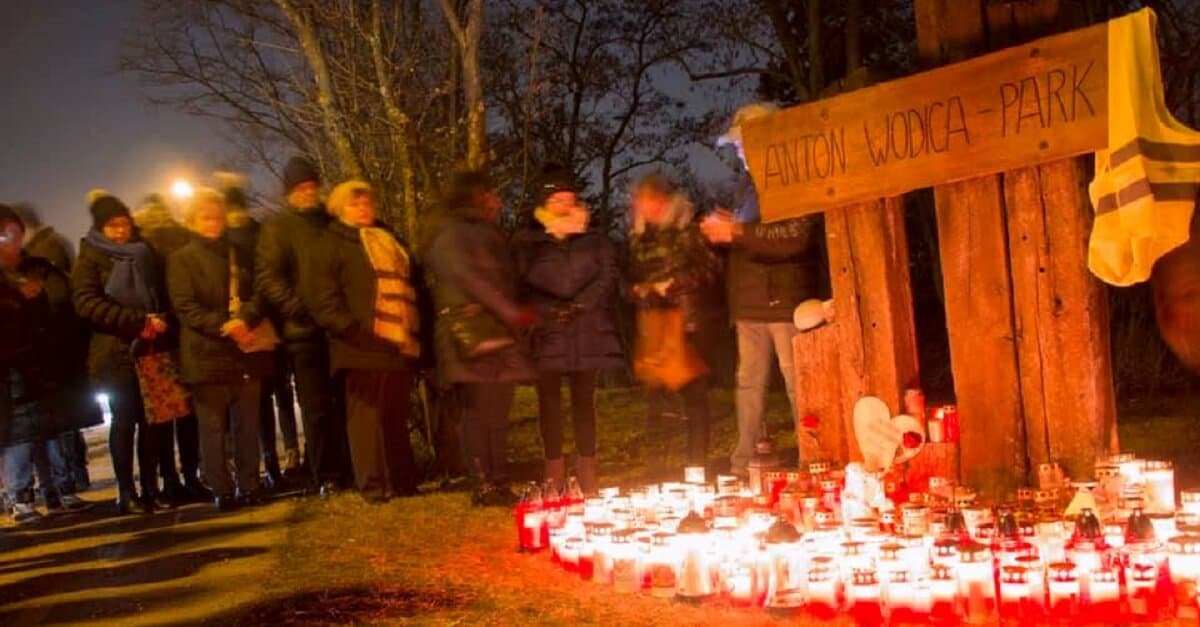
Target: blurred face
[209,220]
[651,206]
[561,203]
[360,210]
[118,230]
[488,202]
[305,196]
[11,236]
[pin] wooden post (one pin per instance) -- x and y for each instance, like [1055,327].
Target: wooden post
[868,258]
[1062,319]
[819,392]
[978,289]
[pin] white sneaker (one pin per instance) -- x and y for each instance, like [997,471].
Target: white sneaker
[24,513]
[72,503]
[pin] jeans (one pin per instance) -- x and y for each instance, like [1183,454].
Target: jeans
[756,341]
[485,428]
[19,462]
[583,411]
[229,409]
[324,427]
[129,433]
[378,405]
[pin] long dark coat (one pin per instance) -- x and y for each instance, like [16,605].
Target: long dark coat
[467,261]
[284,241]
[571,283]
[342,291]
[113,326]
[198,284]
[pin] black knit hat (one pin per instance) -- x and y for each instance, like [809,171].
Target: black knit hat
[104,207]
[299,170]
[554,178]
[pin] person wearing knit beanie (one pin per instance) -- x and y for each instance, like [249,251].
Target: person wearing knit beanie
[554,178]
[104,207]
[299,170]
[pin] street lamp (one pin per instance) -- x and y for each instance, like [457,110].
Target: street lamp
[182,190]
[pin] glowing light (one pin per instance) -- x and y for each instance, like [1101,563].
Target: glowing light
[182,189]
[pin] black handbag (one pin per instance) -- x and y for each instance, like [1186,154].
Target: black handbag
[476,331]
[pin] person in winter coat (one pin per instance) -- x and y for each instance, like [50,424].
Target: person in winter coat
[116,290]
[568,274]
[34,377]
[284,243]
[42,241]
[772,269]
[211,290]
[158,228]
[242,232]
[363,296]
[470,271]
[672,272]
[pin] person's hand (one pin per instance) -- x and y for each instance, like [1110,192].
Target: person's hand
[160,325]
[233,325]
[30,288]
[662,286]
[148,329]
[526,317]
[640,290]
[720,227]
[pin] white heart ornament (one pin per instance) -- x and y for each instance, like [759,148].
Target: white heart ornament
[881,437]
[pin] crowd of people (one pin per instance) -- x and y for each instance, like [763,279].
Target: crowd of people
[199,333]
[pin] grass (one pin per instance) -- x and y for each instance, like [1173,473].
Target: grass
[426,560]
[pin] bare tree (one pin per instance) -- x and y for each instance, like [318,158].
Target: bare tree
[467,31]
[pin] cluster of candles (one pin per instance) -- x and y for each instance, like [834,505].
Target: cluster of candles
[785,540]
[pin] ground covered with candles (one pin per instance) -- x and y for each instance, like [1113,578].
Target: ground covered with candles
[427,559]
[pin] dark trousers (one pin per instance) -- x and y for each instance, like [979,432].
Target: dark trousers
[485,427]
[324,427]
[128,433]
[185,432]
[583,411]
[378,405]
[74,449]
[278,402]
[695,405]
[228,409]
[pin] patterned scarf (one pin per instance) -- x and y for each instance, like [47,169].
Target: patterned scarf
[395,317]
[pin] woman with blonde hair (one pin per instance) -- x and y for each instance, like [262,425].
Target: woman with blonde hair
[212,293]
[672,273]
[362,294]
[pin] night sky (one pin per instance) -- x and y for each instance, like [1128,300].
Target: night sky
[72,122]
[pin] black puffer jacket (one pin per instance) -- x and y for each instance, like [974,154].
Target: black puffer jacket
[570,283]
[284,243]
[113,326]
[198,283]
[772,267]
[678,255]
[343,303]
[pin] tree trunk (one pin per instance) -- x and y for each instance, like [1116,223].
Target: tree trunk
[310,44]
[816,71]
[399,120]
[468,37]
[853,35]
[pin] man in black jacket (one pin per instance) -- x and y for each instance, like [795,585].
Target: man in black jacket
[283,243]
[772,268]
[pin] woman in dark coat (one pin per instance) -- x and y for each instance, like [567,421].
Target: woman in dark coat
[569,275]
[225,380]
[37,334]
[470,272]
[116,290]
[362,295]
[673,274]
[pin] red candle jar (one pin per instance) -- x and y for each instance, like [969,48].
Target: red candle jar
[1016,595]
[1143,599]
[865,605]
[948,415]
[976,582]
[823,595]
[943,592]
[1103,602]
[1063,587]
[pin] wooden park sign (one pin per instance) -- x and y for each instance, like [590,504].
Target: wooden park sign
[1033,103]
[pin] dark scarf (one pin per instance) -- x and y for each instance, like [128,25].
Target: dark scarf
[133,279]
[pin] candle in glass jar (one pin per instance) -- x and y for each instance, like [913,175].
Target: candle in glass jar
[823,582]
[1189,502]
[864,597]
[976,582]
[943,592]
[1184,562]
[694,475]
[626,576]
[1104,595]
[663,564]
[1063,587]
[1015,593]
[1141,583]
[1159,477]
[569,553]
[900,598]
